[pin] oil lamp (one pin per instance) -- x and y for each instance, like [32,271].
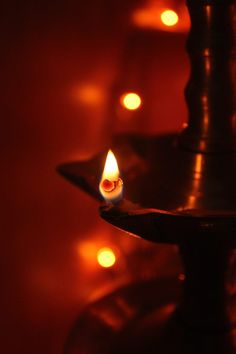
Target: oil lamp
[180,189]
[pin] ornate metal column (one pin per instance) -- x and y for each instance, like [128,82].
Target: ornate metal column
[180,189]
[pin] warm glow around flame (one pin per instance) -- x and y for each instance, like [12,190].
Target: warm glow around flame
[169,18]
[106,257]
[111,185]
[131,101]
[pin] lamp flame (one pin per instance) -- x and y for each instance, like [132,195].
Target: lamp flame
[111,185]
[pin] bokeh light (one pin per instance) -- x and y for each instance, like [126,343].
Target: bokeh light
[131,101]
[90,94]
[106,257]
[169,18]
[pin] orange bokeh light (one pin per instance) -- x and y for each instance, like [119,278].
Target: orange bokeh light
[169,18]
[106,257]
[131,101]
[89,94]
[156,17]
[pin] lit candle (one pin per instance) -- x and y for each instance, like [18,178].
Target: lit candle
[111,185]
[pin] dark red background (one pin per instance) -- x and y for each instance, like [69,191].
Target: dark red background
[48,50]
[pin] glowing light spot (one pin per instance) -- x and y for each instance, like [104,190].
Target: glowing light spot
[89,94]
[131,101]
[149,15]
[106,257]
[169,18]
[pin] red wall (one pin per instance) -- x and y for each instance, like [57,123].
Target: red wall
[49,51]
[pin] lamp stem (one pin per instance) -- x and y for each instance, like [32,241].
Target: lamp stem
[205,297]
[210,93]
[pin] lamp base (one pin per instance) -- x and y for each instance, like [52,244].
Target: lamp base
[142,318]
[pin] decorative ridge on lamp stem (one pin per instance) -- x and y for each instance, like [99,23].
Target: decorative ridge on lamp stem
[210,92]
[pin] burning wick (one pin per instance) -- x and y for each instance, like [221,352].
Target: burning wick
[111,185]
